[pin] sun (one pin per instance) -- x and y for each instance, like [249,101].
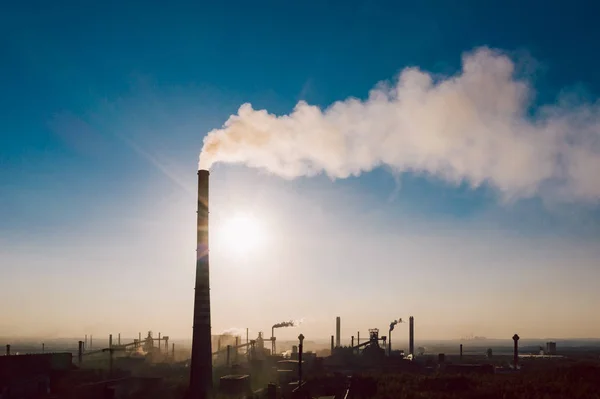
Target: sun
[241,234]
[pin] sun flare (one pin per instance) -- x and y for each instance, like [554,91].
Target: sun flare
[241,234]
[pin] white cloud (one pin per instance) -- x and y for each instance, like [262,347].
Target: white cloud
[471,127]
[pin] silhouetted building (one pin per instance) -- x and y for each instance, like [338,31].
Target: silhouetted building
[36,375]
[551,348]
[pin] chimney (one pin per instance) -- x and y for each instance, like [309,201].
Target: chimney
[516,350]
[337,331]
[7,350]
[119,339]
[80,353]
[332,344]
[201,367]
[411,335]
[461,352]
[110,340]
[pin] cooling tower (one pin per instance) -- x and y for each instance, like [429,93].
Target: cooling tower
[201,367]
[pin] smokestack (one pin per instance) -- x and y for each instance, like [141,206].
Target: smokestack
[358,338]
[159,342]
[91,342]
[110,340]
[411,335]
[461,352]
[201,367]
[332,344]
[7,350]
[80,353]
[516,350]
[337,331]
[119,339]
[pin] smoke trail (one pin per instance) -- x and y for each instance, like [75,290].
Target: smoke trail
[234,331]
[473,127]
[393,324]
[290,323]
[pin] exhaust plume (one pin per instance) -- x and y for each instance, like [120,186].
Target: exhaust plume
[234,331]
[393,324]
[474,127]
[290,323]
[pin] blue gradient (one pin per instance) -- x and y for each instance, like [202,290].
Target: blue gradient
[103,105]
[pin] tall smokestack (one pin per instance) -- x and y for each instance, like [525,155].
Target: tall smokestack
[411,335]
[337,331]
[516,351]
[201,367]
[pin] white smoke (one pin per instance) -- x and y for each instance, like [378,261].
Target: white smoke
[473,127]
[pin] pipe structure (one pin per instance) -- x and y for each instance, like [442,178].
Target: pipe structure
[201,367]
[411,335]
[338,323]
[301,339]
[80,353]
[516,350]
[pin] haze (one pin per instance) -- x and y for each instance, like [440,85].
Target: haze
[477,215]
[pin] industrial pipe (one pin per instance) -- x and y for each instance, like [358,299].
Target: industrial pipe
[80,353]
[337,331]
[201,367]
[301,339]
[516,350]
[411,335]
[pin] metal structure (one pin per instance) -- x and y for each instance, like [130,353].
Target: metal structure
[392,325]
[516,350]
[337,331]
[278,325]
[411,336]
[201,367]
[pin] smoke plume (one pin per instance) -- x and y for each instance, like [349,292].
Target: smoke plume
[475,127]
[393,324]
[290,323]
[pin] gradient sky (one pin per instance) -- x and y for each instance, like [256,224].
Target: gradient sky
[103,108]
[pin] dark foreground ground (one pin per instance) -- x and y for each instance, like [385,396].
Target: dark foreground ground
[574,381]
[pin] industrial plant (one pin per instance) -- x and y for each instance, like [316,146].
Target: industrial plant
[237,365]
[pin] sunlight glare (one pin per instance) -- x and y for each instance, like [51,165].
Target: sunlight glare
[241,235]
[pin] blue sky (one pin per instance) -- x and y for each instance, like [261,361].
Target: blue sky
[104,107]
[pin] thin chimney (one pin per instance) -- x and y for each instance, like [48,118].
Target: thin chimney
[201,367]
[337,331]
